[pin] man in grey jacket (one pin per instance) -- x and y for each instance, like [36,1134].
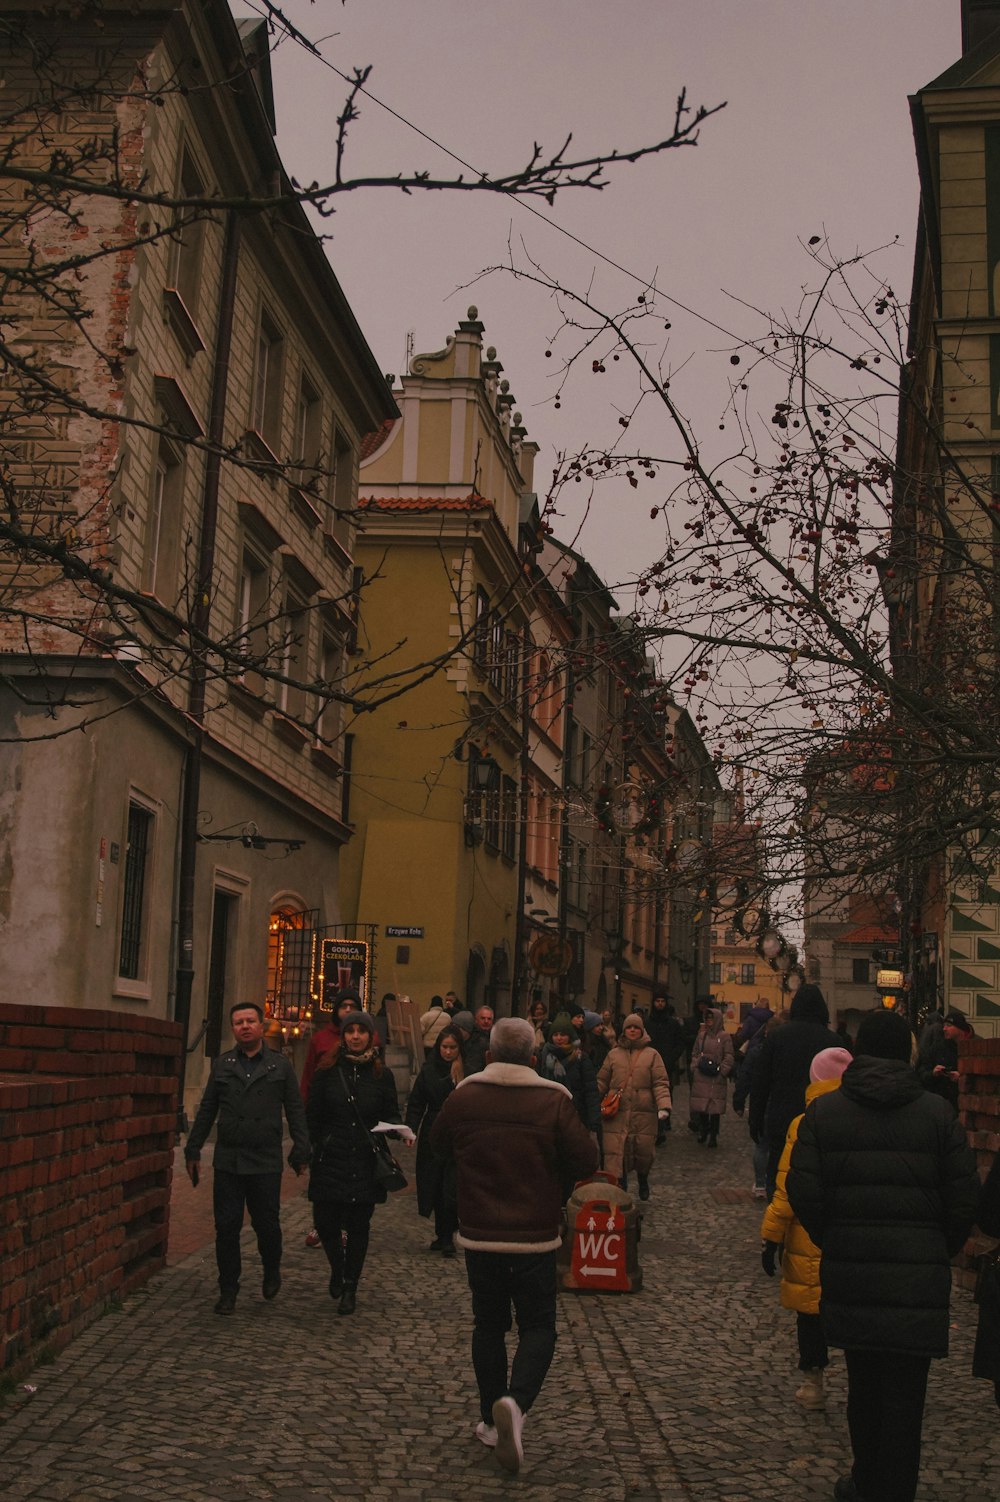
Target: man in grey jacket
[248,1090]
[514,1137]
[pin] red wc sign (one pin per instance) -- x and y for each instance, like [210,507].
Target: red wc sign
[598,1258]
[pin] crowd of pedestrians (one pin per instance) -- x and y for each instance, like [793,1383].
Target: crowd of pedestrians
[871,1187]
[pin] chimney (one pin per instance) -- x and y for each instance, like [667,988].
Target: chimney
[980,19]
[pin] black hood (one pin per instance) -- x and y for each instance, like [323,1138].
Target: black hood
[880,1084]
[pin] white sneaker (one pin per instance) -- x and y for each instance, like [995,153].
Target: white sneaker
[759,1192]
[486,1434]
[509,1421]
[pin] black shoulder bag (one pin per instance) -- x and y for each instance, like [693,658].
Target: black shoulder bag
[388,1174]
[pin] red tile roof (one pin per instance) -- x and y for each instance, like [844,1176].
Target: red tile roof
[870,933]
[424,503]
[373,441]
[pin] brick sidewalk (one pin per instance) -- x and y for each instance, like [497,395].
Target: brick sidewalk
[682,1393]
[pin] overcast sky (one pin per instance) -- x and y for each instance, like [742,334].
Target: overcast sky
[815,138]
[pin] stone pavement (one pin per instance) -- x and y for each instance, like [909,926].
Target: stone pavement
[682,1393]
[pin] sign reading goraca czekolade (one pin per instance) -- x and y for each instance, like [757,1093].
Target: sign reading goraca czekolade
[343,962]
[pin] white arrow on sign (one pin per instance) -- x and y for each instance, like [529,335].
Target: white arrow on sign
[598,1272]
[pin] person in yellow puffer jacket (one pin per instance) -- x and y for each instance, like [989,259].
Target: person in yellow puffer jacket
[800,1281]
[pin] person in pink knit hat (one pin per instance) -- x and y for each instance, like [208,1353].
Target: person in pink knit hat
[800,1285]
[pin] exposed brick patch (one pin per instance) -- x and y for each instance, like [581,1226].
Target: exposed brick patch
[979,1106]
[87,1122]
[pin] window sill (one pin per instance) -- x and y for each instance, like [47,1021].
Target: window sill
[251,704]
[176,312]
[326,762]
[303,507]
[286,730]
[132,990]
[268,465]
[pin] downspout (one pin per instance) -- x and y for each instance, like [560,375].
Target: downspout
[518,968]
[200,620]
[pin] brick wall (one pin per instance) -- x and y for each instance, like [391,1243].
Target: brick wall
[979,1104]
[87,1122]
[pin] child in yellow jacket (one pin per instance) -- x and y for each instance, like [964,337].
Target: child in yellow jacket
[800,1284]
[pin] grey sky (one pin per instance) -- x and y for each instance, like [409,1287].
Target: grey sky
[815,137]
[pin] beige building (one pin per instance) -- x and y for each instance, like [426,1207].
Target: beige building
[205,457]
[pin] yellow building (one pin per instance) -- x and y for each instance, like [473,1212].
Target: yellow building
[446,522]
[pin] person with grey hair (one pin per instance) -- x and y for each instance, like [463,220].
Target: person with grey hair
[514,1138]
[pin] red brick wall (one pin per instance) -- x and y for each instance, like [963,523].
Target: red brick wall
[87,1123]
[979,1105]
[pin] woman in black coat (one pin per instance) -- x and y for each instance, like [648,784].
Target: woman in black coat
[351,1090]
[986,1357]
[436,1175]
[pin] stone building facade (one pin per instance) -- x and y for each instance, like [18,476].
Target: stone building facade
[201,473]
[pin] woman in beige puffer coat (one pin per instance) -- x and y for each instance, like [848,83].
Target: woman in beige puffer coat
[635,1068]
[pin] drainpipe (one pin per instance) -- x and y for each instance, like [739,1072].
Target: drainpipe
[200,620]
[518,967]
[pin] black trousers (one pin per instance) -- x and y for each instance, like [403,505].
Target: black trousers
[885,1414]
[333,1220]
[813,1353]
[260,1194]
[528,1282]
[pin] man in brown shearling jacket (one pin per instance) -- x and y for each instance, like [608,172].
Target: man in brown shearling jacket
[514,1137]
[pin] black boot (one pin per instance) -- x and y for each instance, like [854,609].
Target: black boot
[713,1131]
[335,1257]
[348,1300]
[644,1186]
[703,1128]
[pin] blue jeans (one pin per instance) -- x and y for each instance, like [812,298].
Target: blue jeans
[260,1193]
[528,1282]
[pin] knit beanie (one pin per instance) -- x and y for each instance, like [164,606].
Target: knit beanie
[829,1064]
[591,1020]
[633,1020]
[465,1021]
[958,1019]
[561,1024]
[884,1035]
[358,1019]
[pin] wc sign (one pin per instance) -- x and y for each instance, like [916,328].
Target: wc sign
[598,1259]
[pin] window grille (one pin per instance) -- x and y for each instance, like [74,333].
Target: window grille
[140,822]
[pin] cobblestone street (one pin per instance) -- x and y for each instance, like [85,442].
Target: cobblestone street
[681,1393]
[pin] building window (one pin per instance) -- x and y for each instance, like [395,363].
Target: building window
[715,973]
[481,635]
[294,652]
[342,490]
[138,848]
[254,601]
[509,819]
[187,242]
[496,653]
[268,378]
[860,972]
[748,975]
[512,673]
[331,673]
[308,428]
[163,528]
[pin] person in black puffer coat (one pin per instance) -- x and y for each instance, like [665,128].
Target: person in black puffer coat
[885,1184]
[435,1176]
[563,1061]
[351,1090]
[781,1073]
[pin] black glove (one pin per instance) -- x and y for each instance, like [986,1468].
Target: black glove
[769,1253]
